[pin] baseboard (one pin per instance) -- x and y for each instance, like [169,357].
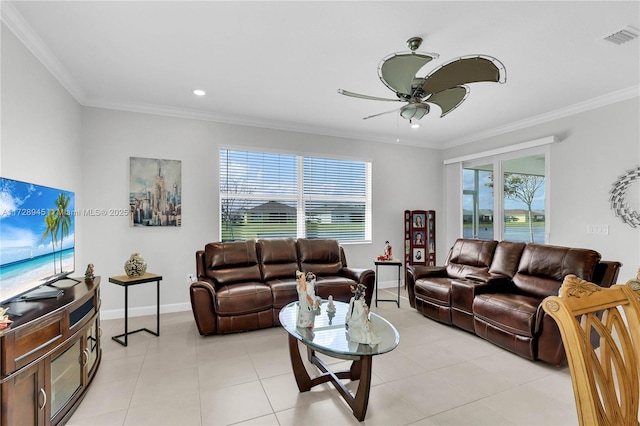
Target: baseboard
[144,310]
[390,284]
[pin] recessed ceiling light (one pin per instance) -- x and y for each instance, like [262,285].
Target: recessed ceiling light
[199,92]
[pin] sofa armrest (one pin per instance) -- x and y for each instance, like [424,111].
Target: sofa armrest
[203,295]
[606,273]
[414,273]
[426,271]
[357,274]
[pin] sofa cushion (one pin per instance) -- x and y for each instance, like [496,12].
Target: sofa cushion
[514,313]
[322,257]
[469,257]
[436,290]
[283,291]
[243,298]
[278,258]
[543,267]
[232,262]
[336,286]
[506,258]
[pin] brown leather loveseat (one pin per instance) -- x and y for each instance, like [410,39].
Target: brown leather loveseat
[495,290]
[243,285]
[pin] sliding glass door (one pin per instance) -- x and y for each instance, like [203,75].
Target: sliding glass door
[505,198]
[477,202]
[523,181]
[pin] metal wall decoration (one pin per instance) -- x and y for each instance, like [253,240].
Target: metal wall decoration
[155,192]
[618,203]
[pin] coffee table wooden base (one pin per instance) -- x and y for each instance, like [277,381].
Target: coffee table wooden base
[360,370]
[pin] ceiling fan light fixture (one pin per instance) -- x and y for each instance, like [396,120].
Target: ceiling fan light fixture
[414,111]
[199,92]
[414,125]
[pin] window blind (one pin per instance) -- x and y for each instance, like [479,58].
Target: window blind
[270,195]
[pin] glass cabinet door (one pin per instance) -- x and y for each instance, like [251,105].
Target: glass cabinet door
[66,376]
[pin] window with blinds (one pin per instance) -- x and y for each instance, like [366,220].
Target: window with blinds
[267,195]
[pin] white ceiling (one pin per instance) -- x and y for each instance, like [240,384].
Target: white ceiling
[279,64]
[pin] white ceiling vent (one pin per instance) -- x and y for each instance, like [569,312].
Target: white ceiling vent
[624,35]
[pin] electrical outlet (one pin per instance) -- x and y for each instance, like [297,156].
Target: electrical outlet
[190,278]
[598,229]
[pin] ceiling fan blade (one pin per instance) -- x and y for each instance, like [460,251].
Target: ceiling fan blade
[371,98]
[397,71]
[449,99]
[381,113]
[462,71]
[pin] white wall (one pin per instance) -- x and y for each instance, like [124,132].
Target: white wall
[110,137]
[40,121]
[595,148]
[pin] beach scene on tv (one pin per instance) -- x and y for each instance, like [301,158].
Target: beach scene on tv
[36,236]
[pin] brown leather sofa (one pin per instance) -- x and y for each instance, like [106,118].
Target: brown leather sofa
[243,285]
[495,290]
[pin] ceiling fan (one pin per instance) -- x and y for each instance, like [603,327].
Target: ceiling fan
[445,86]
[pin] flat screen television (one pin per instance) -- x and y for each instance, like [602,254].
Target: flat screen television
[37,241]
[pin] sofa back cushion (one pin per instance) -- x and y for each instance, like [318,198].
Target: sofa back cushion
[322,257]
[506,258]
[542,268]
[232,262]
[278,258]
[469,256]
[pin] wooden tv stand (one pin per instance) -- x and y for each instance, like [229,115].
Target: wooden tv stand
[49,355]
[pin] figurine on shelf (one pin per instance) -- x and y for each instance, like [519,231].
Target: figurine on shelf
[309,303]
[88,274]
[358,325]
[4,319]
[387,250]
[388,255]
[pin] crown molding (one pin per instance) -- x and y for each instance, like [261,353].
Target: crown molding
[166,111]
[23,31]
[590,104]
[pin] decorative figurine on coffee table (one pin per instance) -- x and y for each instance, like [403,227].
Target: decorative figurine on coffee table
[309,303]
[331,307]
[88,274]
[359,327]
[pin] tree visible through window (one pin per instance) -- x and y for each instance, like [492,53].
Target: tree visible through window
[268,195]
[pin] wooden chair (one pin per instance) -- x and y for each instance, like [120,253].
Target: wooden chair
[605,380]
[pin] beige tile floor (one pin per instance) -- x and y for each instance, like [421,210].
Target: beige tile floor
[438,375]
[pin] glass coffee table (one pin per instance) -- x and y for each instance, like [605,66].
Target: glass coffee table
[329,337]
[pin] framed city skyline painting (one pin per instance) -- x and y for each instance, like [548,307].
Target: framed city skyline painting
[155,192]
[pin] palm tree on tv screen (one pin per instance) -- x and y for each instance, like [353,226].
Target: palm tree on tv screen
[62,219]
[50,221]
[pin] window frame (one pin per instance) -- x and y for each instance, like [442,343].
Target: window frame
[299,198]
[497,161]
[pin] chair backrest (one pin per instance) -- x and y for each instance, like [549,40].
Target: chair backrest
[469,256]
[605,381]
[320,256]
[543,267]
